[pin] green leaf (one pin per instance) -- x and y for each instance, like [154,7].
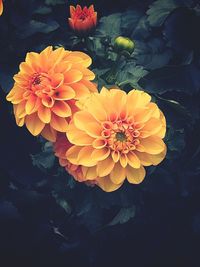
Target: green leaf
[152,54]
[62,202]
[184,79]
[160,9]
[123,216]
[43,10]
[130,74]
[34,27]
[175,140]
[45,159]
[119,23]
[54,2]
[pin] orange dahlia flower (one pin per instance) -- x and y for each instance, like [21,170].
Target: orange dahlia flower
[46,88]
[82,21]
[61,147]
[1,7]
[116,135]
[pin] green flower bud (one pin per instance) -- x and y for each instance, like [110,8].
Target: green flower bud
[124,44]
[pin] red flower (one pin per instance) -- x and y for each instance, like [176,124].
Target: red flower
[82,21]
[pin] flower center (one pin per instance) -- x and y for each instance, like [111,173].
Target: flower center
[120,136]
[40,84]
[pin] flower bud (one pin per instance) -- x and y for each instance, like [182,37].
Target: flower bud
[82,20]
[124,44]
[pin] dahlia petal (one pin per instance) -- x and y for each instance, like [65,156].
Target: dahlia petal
[20,110]
[30,104]
[105,166]
[80,89]
[155,110]
[32,59]
[87,74]
[48,101]
[151,127]
[143,115]
[57,123]
[94,18]
[83,25]
[78,137]
[100,154]
[86,122]
[61,109]
[118,174]
[72,76]
[156,159]
[153,145]
[137,99]
[15,95]
[49,133]
[64,92]
[106,184]
[62,162]
[91,8]
[57,56]
[90,85]
[99,143]
[89,173]
[25,68]
[135,176]
[44,114]
[133,160]
[63,67]
[81,58]
[118,97]
[72,154]
[162,131]
[57,79]
[85,158]
[144,158]
[34,124]
[115,156]
[72,10]
[140,148]
[20,121]
[123,160]
[96,108]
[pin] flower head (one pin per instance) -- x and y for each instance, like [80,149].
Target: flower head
[1,7]
[82,21]
[116,135]
[46,88]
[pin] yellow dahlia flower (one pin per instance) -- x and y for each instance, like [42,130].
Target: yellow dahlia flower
[115,135]
[46,88]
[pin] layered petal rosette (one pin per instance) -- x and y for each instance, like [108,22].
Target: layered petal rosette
[115,135]
[46,88]
[82,20]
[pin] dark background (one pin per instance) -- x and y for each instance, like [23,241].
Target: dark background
[36,227]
